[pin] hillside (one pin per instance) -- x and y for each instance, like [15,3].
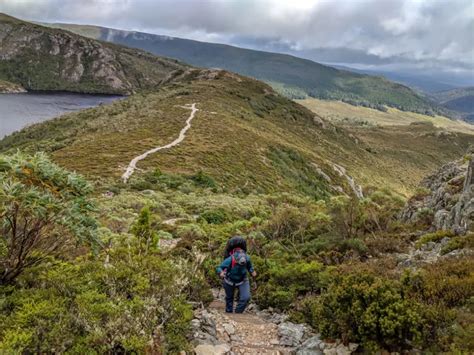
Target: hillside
[244,136]
[349,115]
[10,88]
[251,163]
[292,76]
[41,58]
[460,100]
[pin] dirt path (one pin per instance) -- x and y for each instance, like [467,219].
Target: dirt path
[133,163]
[256,332]
[250,334]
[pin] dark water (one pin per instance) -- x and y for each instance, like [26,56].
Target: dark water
[19,110]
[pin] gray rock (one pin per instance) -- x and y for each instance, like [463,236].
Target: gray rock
[195,324]
[450,196]
[229,328]
[309,352]
[342,350]
[291,334]
[209,349]
[353,346]
[444,241]
[310,346]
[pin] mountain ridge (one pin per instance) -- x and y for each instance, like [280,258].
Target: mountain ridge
[42,58]
[294,77]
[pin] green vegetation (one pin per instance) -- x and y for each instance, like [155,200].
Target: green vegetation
[272,143]
[293,77]
[434,237]
[70,285]
[323,260]
[43,209]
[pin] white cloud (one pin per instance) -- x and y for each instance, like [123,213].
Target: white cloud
[409,29]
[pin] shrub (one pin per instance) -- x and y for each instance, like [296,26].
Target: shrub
[147,238]
[363,308]
[132,304]
[43,210]
[281,283]
[434,237]
[449,282]
[203,180]
[295,225]
[215,216]
[421,193]
[381,209]
[453,244]
[346,215]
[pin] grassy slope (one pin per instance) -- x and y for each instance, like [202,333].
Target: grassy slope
[42,58]
[290,75]
[344,113]
[244,136]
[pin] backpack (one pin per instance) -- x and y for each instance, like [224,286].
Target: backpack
[233,243]
[239,257]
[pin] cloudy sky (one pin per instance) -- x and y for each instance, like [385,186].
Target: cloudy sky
[417,36]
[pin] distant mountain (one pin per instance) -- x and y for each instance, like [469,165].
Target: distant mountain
[421,83]
[292,76]
[460,100]
[41,58]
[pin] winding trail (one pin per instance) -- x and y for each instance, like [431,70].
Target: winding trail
[133,163]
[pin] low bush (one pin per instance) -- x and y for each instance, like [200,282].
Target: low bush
[434,237]
[367,309]
[88,306]
[203,180]
[215,216]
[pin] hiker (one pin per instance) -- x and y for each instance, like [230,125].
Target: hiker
[233,271]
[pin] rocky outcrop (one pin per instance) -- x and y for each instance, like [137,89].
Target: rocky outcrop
[356,189]
[41,58]
[448,195]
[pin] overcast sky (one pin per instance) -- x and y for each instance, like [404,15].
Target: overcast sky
[411,34]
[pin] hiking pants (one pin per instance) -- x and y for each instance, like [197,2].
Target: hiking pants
[244,296]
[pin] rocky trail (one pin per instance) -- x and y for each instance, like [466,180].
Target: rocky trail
[182,134]
[256,332]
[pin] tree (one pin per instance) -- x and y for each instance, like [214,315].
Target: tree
[44,209]
[347,215]
[144,232]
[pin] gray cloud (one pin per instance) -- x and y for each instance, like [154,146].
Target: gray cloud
[434,33]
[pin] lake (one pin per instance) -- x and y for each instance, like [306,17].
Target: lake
[20,110]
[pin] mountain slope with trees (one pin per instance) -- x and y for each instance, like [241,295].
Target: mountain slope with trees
[292,76]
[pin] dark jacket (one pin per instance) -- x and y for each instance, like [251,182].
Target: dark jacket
[238,273]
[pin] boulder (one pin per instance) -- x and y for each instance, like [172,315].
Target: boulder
[291,334]
[310,346]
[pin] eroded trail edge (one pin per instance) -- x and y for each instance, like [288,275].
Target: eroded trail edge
[133,163]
